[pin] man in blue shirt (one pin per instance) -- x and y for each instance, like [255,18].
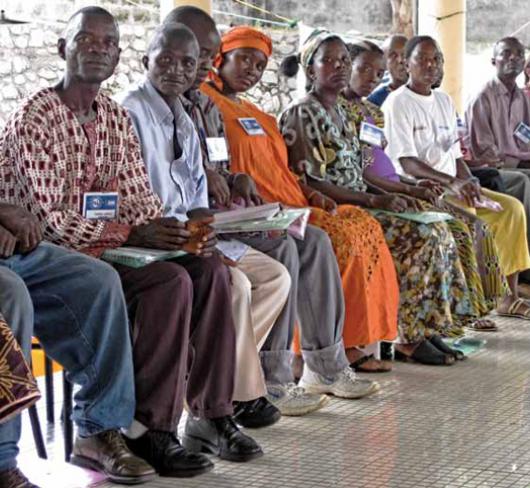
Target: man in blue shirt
[172,155]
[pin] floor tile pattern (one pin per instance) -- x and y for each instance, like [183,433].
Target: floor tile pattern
[466,425]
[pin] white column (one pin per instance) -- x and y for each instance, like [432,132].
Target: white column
[445,20]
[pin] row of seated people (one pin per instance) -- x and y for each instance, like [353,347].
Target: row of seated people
[200,328]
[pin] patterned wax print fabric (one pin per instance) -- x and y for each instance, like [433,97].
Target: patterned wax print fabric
[18,389]
[48,162]
[475,242]
[434,296]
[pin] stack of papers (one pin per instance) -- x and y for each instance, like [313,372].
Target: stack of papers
[137,257]
[269,217]
[420,217]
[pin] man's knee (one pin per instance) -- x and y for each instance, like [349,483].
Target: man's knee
[214,268]
[317,237]
[280,277]
[241,285]
[16,305]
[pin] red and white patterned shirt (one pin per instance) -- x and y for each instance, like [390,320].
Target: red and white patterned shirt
[47,163]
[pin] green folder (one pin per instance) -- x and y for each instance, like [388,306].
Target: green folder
[420,217]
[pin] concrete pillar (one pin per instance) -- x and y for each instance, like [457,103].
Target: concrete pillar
[167,6]
[445,20]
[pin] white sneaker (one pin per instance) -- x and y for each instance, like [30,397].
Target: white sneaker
[293,400]
[344,385]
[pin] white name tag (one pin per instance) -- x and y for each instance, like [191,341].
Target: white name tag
[217,149]
[371,134]
[522,132]
[251,126]
[100,205]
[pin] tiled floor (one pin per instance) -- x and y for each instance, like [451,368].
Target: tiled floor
[429,427]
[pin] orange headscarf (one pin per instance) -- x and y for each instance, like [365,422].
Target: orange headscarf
[243,36]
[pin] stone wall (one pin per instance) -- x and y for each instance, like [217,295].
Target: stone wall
[29,60]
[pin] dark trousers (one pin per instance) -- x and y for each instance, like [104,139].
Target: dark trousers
[183,339]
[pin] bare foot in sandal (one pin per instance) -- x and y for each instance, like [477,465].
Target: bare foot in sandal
[362,363]
[483,325]
[514,307]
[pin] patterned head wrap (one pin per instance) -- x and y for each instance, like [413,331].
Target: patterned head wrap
[312,43]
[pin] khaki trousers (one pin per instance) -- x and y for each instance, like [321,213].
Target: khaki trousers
[260,287]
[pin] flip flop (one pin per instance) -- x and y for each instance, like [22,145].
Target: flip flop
[514,310]
[439,343]
[357,365]
[475,325]
[426,353]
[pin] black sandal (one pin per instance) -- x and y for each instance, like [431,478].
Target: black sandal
[439,343]
[357,366]
[426,353]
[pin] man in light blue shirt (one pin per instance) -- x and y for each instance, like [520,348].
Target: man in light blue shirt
[171,149]
[172,153]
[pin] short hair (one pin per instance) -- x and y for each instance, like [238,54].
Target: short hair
[357,48]
[415,41]
[506,39]
[187,14]
[165,31]
[390,39]
[90,10]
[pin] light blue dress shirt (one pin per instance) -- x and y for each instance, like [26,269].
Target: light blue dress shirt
[180,183]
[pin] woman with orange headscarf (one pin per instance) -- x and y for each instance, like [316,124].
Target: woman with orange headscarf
[258,149]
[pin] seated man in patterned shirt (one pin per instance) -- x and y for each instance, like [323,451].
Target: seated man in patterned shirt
[70,142]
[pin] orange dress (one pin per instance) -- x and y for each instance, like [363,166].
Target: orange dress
[368,274]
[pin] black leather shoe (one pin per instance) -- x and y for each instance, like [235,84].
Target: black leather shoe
[163,451]
[256,413]
[221,437]
[107,453]
[13,478]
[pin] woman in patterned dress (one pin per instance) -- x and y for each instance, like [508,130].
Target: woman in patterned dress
[476,246]
[434,297]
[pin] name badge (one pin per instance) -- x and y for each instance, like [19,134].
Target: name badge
[217,149]
[371,134]
[100,205]
[251,126]
[522,132]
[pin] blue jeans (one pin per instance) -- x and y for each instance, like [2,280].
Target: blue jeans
[75,306]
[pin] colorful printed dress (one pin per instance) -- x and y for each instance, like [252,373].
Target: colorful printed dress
[475,242]
[368,275]
[434,296]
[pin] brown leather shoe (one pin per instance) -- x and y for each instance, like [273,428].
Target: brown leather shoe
[13,478]
[107,453]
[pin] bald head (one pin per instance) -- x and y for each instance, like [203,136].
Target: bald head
[78,17]
[394,50]
[189,15]
[395,41]
[508,58]
[205,30]
[172,33]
